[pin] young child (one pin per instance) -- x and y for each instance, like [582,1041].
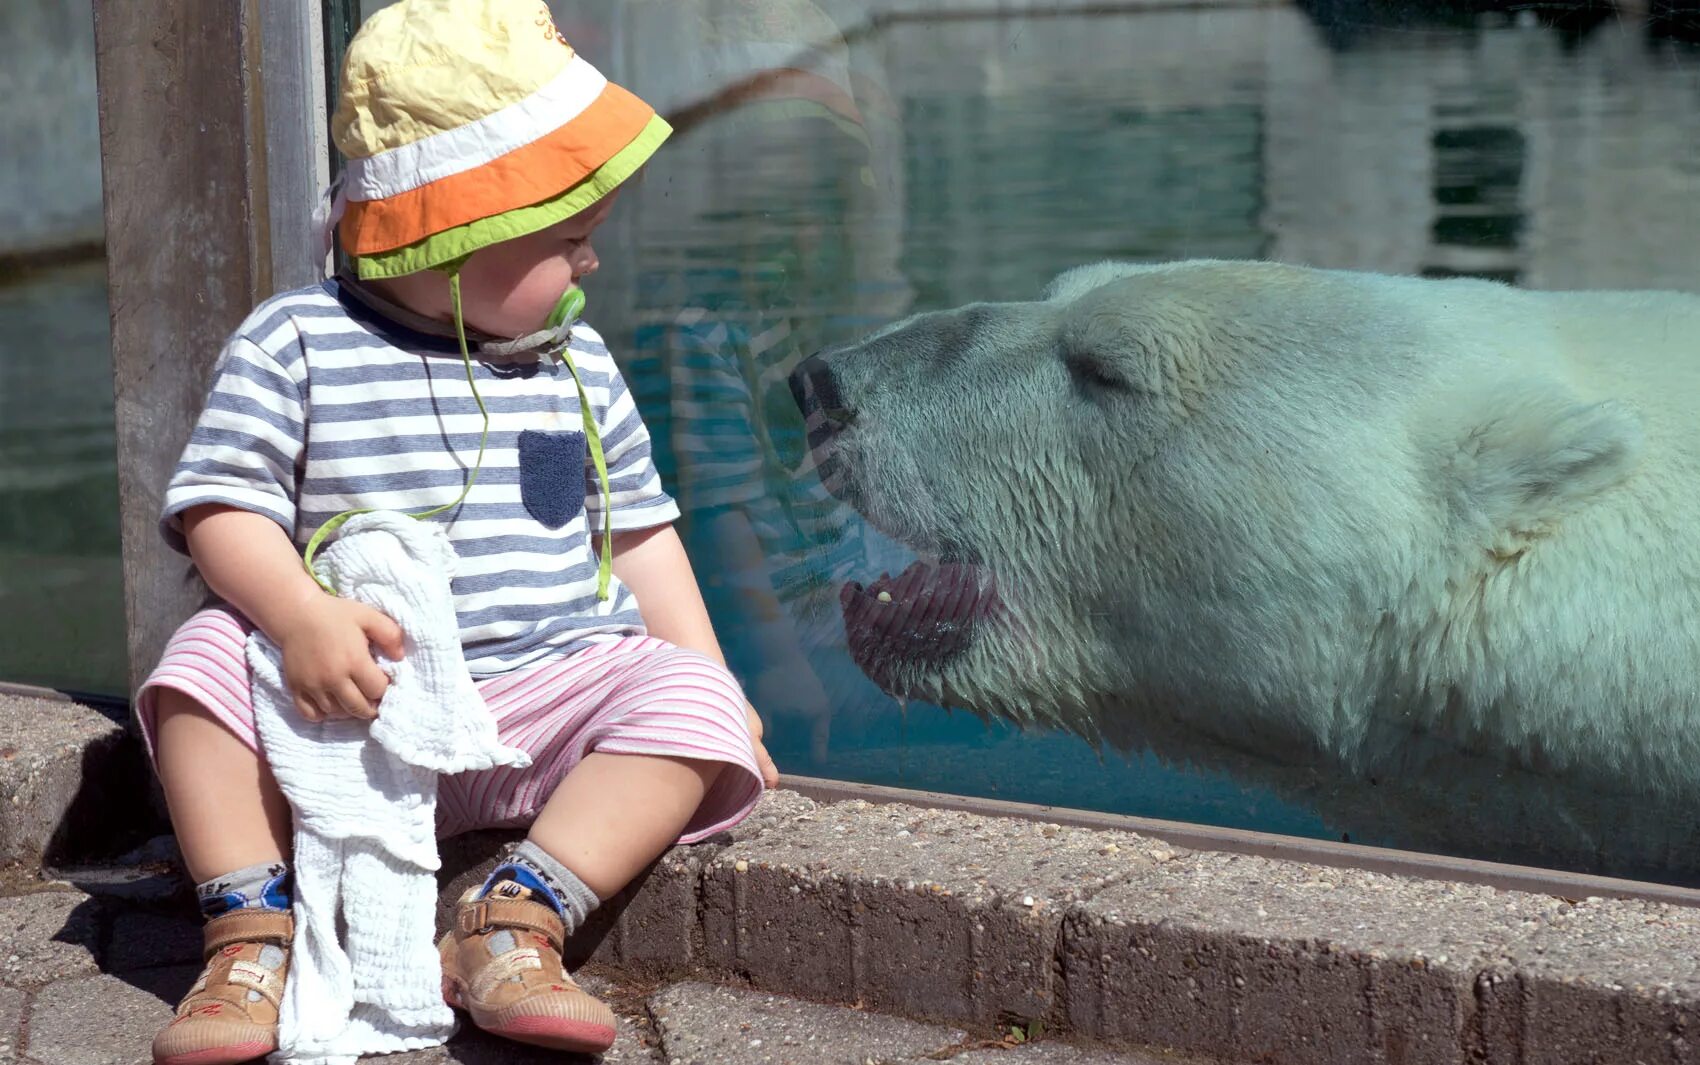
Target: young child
[482,156]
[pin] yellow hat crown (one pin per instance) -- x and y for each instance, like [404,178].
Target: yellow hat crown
[456,111]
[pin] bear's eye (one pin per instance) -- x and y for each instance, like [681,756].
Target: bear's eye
[1092,374]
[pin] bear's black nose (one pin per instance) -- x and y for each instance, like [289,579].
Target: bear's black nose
[818,397]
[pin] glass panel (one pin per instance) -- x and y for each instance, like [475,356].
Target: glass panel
[1318,554]
[61,589]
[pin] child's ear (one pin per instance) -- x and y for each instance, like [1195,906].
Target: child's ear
[1535,452]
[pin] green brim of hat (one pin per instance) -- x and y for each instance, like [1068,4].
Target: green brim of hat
[454,245]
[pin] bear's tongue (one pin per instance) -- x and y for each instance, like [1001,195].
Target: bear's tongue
[922,617]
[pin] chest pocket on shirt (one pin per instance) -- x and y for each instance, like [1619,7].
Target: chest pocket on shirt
[551,475]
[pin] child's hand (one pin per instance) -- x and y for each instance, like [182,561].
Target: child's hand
[250,561]
[769,771]
[327,658]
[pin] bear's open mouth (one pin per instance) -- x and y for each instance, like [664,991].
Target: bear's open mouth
[901,627]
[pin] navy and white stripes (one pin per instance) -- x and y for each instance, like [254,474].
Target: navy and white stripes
[317,407]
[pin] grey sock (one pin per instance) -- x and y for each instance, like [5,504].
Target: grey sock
[266,886]
[531,866]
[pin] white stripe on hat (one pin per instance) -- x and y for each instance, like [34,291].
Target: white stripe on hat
[409,166]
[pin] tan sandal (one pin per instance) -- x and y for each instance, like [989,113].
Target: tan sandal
[502,964]
[230,1015]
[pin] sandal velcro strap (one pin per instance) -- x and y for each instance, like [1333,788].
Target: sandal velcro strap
[489,914]
[253,976]
[248,926]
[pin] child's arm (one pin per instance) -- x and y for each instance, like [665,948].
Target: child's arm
[652,563]
[250,562]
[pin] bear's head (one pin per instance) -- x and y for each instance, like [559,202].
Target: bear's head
[1201,494]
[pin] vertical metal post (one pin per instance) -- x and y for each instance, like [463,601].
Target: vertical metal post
[292,80]
[188,191]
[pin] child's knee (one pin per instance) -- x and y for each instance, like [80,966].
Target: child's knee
[184,729]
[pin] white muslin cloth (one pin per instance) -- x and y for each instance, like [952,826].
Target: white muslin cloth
[364,797]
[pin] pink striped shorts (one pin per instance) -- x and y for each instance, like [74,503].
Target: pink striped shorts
[632,695]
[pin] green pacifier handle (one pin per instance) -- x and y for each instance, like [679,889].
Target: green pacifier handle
[570,309]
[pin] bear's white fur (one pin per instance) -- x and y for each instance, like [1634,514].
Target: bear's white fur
[1314,517]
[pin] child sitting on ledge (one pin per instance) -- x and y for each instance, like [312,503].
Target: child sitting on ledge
[482,155]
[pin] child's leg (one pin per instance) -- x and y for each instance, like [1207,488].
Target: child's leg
[233,828]
[616,813]
[197,720]
[635,745]
[225,807]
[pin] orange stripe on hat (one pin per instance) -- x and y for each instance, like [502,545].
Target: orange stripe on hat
[527,175]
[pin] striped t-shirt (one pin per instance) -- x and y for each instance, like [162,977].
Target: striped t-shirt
[320,405]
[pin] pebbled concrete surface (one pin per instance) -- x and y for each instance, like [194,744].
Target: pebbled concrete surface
[705,1025]
[72,781]
[103,1020]
[46,937]
[151,941]
[1596,983]
[77,1007]
[1046,1052]
[11,1023]
[955,917]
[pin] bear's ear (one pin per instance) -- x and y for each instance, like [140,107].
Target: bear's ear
[1534,452]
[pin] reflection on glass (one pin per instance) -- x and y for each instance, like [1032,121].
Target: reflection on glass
[948,577]
[61,593]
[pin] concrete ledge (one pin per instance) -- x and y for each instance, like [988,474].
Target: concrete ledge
[924,912]
[1227,954]
[948,916]
[72,782]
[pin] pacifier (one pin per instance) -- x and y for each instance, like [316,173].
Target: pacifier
[569,309]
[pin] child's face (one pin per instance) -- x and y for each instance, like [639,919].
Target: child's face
[508,289]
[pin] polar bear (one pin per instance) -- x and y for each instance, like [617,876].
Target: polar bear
[1248,512]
